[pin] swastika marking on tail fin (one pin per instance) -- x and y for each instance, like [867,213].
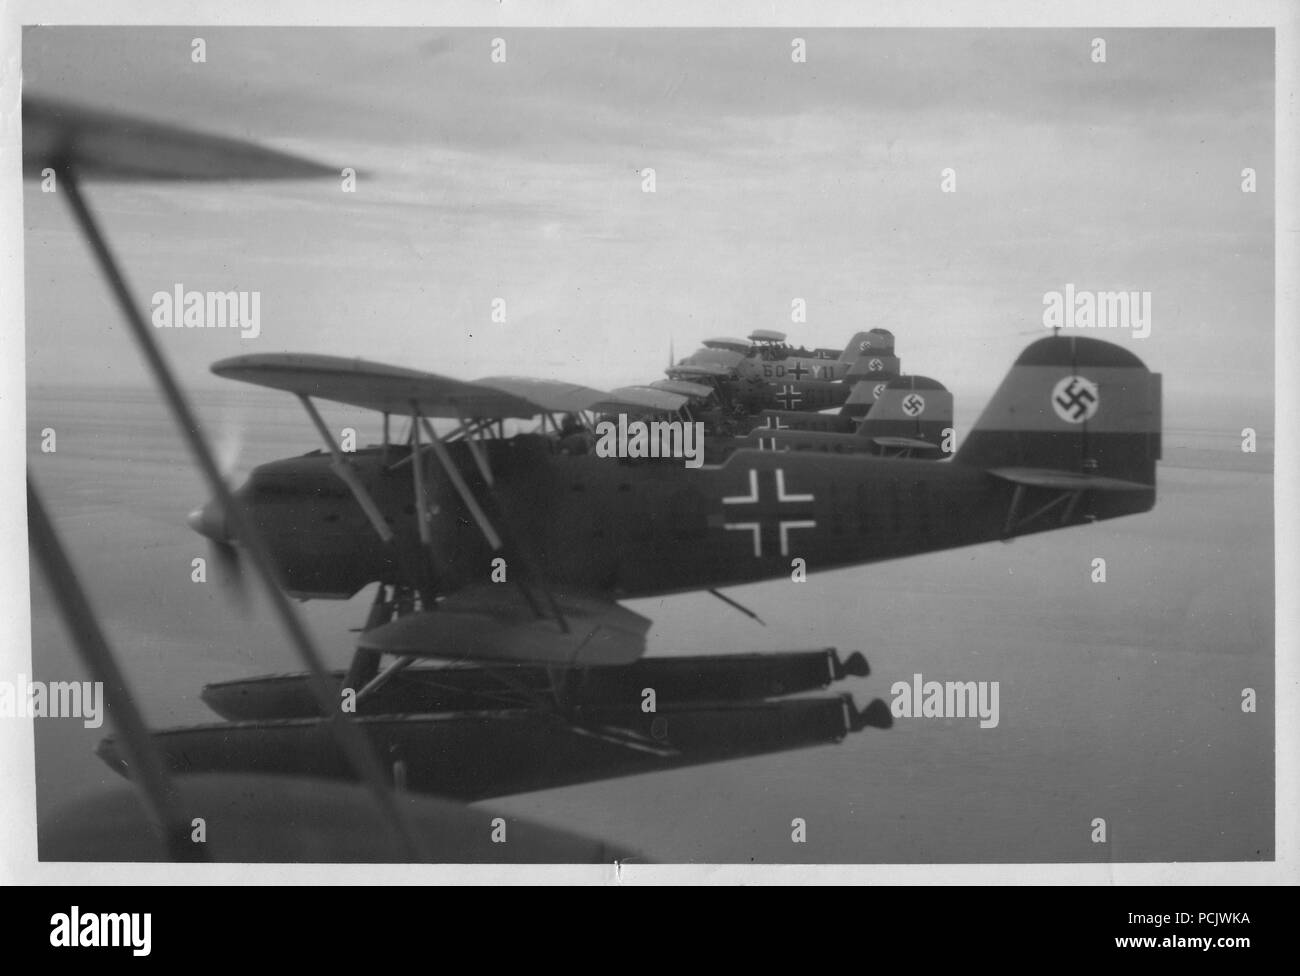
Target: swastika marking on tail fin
[1075,399]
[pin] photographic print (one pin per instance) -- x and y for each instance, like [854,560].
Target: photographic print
[738,445]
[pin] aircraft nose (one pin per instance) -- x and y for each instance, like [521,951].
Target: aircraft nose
[209,522]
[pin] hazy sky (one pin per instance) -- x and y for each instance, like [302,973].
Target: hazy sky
[774,180]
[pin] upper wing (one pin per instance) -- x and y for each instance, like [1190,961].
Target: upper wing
[388,389]
[638,398]
[741,346]
[394,389]
[698,369]
[553,395]
[683,387]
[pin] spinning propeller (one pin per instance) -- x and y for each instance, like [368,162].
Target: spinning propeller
[210,521]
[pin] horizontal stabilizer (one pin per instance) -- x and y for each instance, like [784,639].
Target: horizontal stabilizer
[1066,480]
[910,443]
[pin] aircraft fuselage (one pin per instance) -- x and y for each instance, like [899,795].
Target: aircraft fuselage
[630,528]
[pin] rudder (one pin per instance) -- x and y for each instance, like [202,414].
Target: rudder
[910,409]
[1073,406]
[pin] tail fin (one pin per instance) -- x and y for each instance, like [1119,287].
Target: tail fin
[876,367]
[876,342]
[1072,411]
[869,377]
[913,412]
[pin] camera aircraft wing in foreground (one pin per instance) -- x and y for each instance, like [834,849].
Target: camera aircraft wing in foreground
[258,817]
[501,557]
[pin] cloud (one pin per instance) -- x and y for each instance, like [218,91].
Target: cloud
[522,180]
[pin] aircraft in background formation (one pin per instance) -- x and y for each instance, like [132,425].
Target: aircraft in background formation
[911,418]
[765,373]
[728,382]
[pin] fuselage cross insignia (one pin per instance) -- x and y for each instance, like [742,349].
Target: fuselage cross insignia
[754,524]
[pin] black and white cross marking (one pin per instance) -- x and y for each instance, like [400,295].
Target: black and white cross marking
[789,397]
[802,505]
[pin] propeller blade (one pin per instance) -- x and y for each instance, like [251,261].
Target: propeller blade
[228,447]
[231,569]
[210,522]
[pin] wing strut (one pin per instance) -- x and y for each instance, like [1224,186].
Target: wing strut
[421,499]
[385,676]
[476,452]
[493,538]
[1015,523]
[347,474]
[462,489]
[738,605]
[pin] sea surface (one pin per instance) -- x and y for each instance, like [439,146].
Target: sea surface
[1118,700]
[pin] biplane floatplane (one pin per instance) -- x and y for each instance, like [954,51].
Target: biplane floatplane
[769,346]
[766,374]
[880,411]
[507,554]
[911,417]
[502,555]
